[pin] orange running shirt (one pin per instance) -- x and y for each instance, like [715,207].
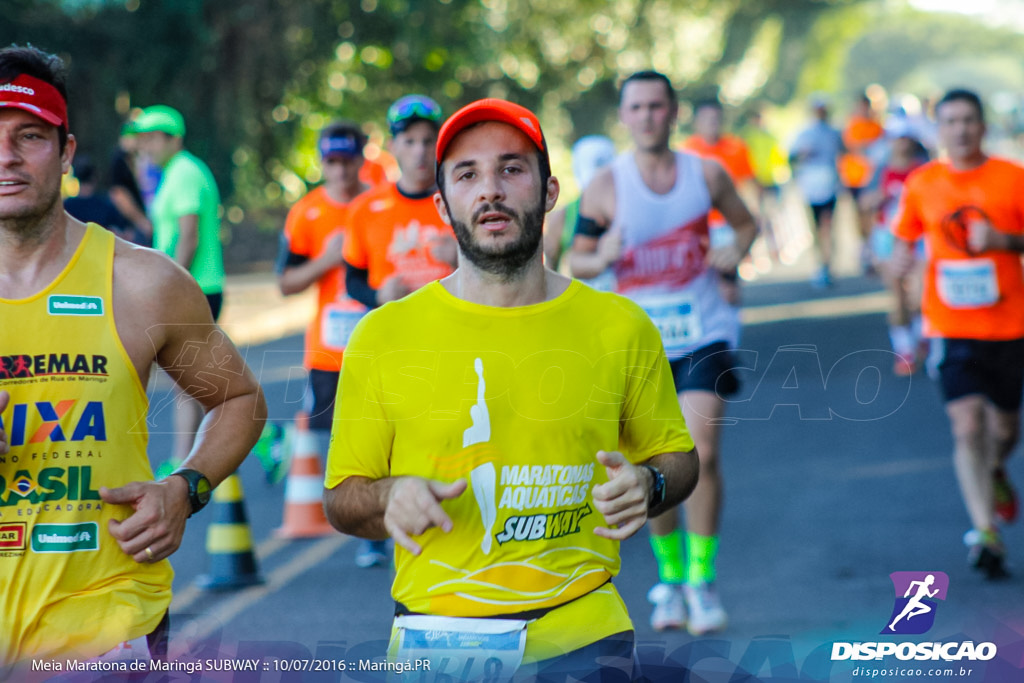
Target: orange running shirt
[855,169]
[391,233]
[372,173]
[966,295]
[730,151]
[310,223]
[734,156]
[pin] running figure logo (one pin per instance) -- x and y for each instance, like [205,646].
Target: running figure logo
[483,478]
[916,593]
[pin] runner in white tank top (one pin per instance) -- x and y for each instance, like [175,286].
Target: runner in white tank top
[647,216]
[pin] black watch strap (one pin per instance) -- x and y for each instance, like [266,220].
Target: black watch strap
[657,491]
[199,488]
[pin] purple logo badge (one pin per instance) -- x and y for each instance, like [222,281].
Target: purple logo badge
[917,594]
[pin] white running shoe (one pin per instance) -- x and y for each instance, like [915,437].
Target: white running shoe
[669,610]
[705,607]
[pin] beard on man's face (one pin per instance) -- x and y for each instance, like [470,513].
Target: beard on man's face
[505,260]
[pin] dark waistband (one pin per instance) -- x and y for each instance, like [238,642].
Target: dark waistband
[402,611]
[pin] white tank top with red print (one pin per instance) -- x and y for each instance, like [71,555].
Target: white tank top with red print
[663,265]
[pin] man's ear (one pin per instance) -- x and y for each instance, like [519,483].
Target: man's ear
[551,196]
[70,145]
[442,208]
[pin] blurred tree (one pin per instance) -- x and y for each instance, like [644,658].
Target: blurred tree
[256,79]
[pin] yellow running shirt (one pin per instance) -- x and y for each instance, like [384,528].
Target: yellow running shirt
[517,401]
[76,421]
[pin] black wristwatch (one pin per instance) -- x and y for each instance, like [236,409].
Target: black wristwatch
[199,488]
[657,496]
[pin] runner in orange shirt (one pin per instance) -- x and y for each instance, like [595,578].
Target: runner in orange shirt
[396,241]
[862,137]
[709,142]
[310,254]
[970,211]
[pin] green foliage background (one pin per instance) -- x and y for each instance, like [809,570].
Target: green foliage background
[256,79]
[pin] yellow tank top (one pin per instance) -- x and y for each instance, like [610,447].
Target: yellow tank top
[76,421]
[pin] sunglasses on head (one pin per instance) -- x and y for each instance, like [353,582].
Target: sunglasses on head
[413,107]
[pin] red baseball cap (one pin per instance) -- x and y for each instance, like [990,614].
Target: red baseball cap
[36,97]
[490,110]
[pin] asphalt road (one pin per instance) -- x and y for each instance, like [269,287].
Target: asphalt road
[837,474]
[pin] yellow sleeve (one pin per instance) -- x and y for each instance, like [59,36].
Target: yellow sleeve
[362,433]
[652,422]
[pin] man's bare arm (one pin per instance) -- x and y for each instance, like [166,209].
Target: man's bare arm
[295,279]
[161,315]
[592,254]
[399,507]
[188,240]
[726,199]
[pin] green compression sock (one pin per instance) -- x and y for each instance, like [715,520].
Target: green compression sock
[668,552]
[701,552]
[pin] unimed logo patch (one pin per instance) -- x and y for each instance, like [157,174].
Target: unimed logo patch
[917,593]
[12,536]
[65,538]
[66,304]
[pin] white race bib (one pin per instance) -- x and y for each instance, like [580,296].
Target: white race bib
[677,317]
[462,649]
[970,283]
[337,320]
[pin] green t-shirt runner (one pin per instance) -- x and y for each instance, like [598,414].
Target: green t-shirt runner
[187,187]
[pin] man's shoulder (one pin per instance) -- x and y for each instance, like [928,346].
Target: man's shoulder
[185,169]
[376,199]
[1008,167]
[386,328]
[926,174]
[147,272]
[614,313]
[309,202]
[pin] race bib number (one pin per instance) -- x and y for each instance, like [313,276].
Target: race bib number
[677,318]
[462,649]
[967,284]
[336,324]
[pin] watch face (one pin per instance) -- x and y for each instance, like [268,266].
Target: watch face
[203,490]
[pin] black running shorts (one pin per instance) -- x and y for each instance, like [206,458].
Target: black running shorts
[993,369]
[709,368]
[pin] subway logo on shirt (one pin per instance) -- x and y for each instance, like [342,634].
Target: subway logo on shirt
[529,487]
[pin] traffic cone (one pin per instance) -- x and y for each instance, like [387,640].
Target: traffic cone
[304,490]
[228,541]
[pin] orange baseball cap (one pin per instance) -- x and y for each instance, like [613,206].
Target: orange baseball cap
[491,109]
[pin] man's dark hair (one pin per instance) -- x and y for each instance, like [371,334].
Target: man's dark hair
[962,95]
[649,76]
[344,129]
[16,60]
[543,161]
[708,103]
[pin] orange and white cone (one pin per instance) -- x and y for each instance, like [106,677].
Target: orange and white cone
[304,490]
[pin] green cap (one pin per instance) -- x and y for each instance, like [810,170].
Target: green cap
[160,119]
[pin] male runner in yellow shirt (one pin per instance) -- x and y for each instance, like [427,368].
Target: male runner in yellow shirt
[85,530]
[508,427]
